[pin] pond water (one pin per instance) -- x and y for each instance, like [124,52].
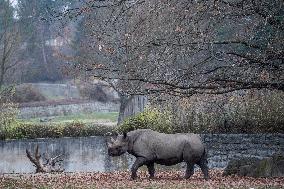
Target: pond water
[84,154]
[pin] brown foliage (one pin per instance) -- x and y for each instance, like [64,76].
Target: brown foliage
[93,92]
[186,47]
[27,93]
[164,179]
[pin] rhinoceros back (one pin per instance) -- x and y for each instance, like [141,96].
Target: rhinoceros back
[171,147]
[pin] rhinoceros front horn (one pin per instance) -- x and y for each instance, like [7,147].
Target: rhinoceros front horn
[112,140]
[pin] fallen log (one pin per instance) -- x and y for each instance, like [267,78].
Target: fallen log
[50,165]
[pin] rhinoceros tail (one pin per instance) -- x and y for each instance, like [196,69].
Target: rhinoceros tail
[204,165]
[204,156]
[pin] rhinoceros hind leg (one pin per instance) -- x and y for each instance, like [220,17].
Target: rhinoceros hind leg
[138,163]
[189,170]
[204,168]
[151,170]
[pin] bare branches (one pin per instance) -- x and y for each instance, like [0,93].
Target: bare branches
[9,42]
[185,47]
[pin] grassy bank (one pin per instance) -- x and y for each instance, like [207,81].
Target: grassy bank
[164,179]
[52,130]
[79,125]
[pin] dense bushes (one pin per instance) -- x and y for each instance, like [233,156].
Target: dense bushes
[27,93]
[74,129]
[93,92]
[246,111]
[149,119]
[241,112]
[8,111]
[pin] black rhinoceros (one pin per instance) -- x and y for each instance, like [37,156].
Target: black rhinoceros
[151,147]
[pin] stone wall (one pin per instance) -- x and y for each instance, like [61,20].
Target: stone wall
[224,147]
[90,154]
[68,109]
[57,90]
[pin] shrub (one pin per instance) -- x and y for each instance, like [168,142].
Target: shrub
[250,111]
[93,92]
[8,111]
[74,129]
[99,130]
[244,111]
[27,93]
[149,119]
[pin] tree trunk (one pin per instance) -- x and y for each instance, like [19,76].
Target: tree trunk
[1,78]
[50,166]
[130,106]
[123,105]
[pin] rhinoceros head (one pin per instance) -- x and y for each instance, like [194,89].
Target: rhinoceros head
[119,146]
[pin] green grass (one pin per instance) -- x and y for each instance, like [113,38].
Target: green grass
[82,117]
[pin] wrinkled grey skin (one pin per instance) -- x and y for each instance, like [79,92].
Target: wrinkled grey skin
[151,147]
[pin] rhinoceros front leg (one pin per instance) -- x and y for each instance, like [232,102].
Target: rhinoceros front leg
[138,163]
[151,169]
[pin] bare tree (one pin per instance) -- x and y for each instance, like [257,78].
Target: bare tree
[9,41]
[185,47]
[50,165]
[181,47]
